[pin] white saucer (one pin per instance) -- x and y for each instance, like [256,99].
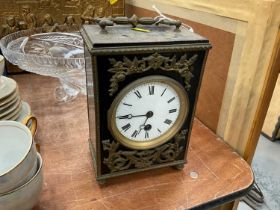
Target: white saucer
[11,109]
[10,103]
[25,111]
[7,99]
[11,115]
[15,116]
[7,87]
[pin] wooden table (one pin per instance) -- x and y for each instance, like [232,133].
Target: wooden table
[215,174]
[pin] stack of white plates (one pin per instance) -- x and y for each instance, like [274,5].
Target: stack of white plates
[11,105]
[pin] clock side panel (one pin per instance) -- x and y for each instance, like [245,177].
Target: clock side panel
[195,93]
[93,107]
[117,71]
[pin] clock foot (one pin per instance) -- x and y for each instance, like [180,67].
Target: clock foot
[179,167]
[101,182]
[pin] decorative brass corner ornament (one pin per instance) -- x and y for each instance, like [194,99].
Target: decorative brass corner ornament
[121,69]
[119,160]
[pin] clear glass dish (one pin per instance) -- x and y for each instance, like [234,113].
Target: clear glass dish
[55,54]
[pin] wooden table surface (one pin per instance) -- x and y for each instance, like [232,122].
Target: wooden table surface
[69,182]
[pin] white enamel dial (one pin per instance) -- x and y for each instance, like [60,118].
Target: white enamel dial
[149,110]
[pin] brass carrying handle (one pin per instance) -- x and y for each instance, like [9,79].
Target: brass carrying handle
[31,122]
[134,21]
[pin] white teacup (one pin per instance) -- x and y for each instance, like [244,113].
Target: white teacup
[18,155]
[26,196]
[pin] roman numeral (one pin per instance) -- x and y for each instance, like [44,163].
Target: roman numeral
[137,93]
[151,90]
[126,127]
[127,104]
[163,92]
[172,110]
[168,122]
[170,100]
[146,135]
[135,133]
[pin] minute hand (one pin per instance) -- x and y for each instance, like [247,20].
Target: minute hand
[129,116]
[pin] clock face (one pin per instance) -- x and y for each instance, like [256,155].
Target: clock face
[148,112]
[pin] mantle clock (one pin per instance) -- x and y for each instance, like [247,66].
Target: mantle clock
[142,87]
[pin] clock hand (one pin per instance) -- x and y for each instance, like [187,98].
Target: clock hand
[148,115]
[129,116]
[142,125]
[148,127]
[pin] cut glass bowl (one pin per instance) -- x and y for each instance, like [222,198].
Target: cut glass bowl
[55,54]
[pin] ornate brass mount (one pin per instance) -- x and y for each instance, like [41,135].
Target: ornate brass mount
[119,160]
[134,21]
[121,69]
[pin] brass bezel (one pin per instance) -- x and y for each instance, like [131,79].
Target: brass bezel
[184,109]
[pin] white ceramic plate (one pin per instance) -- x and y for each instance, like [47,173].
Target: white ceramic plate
[8,87]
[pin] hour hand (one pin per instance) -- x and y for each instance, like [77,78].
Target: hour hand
[128,116]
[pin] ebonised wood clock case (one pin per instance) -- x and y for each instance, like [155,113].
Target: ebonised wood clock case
[122,56]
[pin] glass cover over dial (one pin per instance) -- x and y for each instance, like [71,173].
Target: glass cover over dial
[148,112]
